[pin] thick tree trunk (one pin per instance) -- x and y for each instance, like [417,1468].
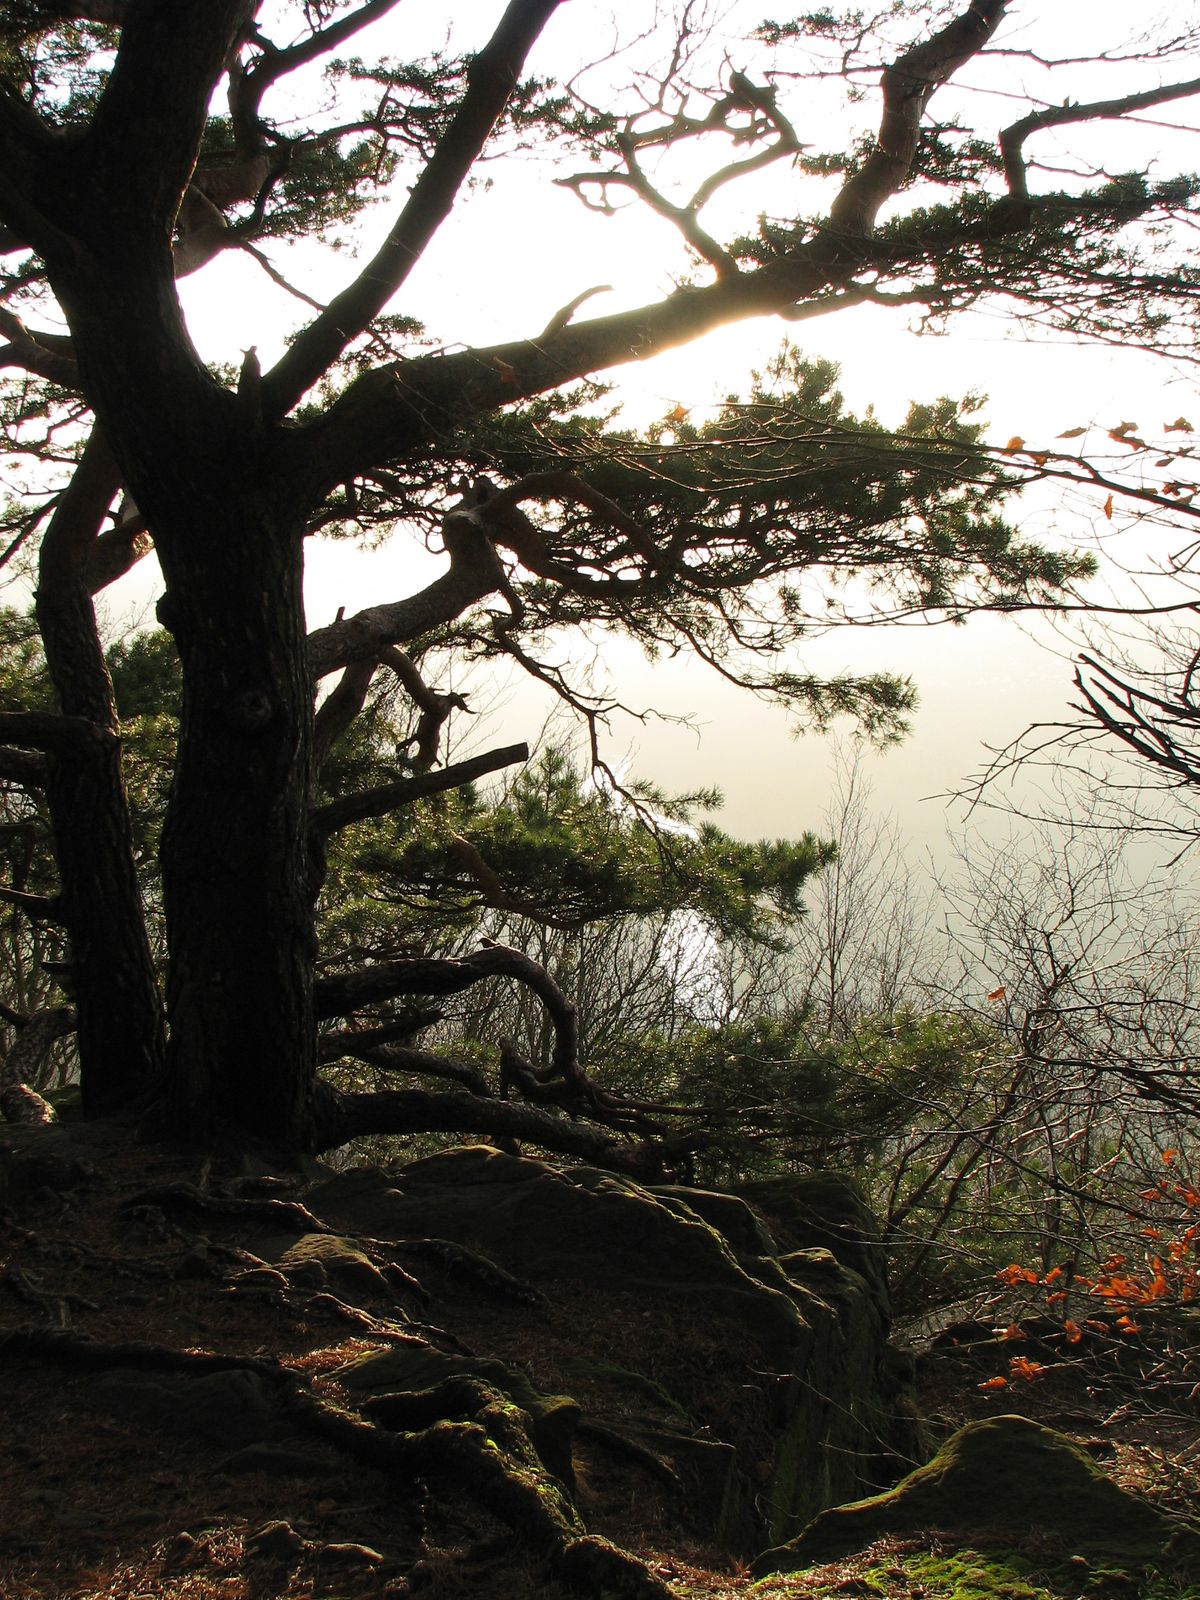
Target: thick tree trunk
[120,1032]
[237,879]
[219,500]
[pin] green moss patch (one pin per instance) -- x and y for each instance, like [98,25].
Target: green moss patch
[993,1485]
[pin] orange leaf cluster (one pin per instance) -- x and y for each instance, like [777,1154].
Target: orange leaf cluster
[1016,1274]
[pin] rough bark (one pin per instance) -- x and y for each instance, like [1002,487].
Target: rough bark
[112,979]
[237,875]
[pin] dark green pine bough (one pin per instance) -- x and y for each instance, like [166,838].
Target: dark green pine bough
[139,140]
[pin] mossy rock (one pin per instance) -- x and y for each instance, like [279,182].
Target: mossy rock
[318,1260]
[743,1230]
[993,1483]
[635,1385]
[823,1210]
[544,1223]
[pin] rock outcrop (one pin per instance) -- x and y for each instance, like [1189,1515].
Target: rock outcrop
[754,1374]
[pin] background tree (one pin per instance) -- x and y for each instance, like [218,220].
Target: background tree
[118,176]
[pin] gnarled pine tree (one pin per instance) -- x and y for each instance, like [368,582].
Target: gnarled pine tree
[119,174]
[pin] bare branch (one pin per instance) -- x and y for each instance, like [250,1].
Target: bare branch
[274,63]
[23,768]
[491,79]
[421,1063]
[41,907]
[341,1042]
[390,797]
[48,355]
[434,707]
[744,98]
[1012,139]
[475,571]
[44,730]
[339,709]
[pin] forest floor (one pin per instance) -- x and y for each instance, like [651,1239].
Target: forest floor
[106,1495]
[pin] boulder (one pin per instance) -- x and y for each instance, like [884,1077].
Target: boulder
[993,1483]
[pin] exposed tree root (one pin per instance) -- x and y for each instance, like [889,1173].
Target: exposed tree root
[621,1444]
[287,1213]
[482,1447]
[377,1327]
[57,1307]
[472,1264]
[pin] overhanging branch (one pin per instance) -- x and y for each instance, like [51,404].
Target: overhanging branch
[399,1111]
[390,797]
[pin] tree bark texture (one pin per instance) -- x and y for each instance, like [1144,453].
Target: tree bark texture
[120,1032]
[237,875]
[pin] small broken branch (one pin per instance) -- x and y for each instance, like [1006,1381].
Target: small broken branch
[562,317]
[47,731]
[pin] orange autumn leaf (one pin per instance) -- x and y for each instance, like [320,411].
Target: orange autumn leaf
[993,1383]
[1053,1275]
[1014,444]
[1170,1157]
[1127,1325]
[998,994]
[1073,1331]
[1013,1331]
[1022,1367]
[1108,508]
